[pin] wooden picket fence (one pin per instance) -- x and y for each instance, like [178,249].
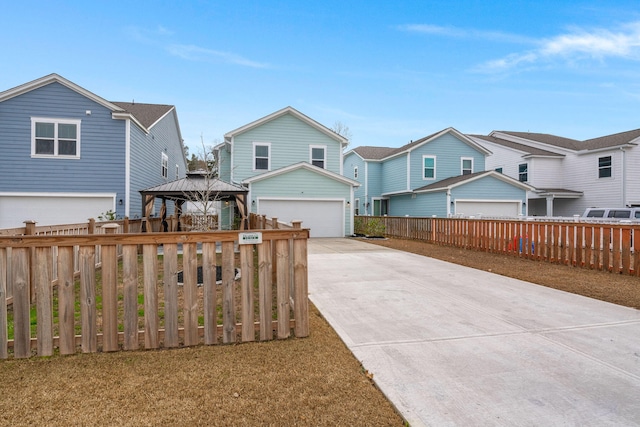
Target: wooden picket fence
[131,300]
[612,247]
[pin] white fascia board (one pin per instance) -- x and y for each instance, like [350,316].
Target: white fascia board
[302,165]
[55,78]
[604,149]
[289,110]
[121,115]
[532,143]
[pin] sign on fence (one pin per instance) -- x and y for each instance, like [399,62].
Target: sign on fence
[250,238]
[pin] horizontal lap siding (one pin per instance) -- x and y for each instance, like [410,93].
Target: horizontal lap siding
[448,151]
[290,139]
[488,188]
[351,161]
[394,172]
[100,167]
[146,158]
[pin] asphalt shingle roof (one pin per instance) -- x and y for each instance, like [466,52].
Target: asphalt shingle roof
[517,146]
[147,114]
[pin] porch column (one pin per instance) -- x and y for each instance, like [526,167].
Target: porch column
[549,205]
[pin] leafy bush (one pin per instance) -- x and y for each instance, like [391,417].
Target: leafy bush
[374,227]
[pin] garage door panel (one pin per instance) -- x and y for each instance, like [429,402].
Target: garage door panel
[324,218]
[51,210]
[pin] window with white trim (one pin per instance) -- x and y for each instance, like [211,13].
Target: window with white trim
[55,138]
[318,155]
[466,165]
[165,165]
[604,167]
[261,156]
[356,207]
[523,172]
[428,167]
[177,172]
[355,172]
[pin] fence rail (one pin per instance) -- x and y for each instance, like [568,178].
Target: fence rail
[613,247]
[133,298]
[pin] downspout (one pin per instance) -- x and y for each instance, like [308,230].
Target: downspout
[624,177]
[409,171]
[127,166]
[366,186]
[448,203]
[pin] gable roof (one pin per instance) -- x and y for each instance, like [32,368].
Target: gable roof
[147,114]
[526,149]
[614,140]
[302,165]
[545,138]
[55,78]
[292,111]
[382,153]
[372,153]
[455,181]
[462,137]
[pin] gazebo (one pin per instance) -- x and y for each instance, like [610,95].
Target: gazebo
[197,186]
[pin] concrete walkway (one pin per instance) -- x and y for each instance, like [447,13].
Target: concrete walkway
[454,346]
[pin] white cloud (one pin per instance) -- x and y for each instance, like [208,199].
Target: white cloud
[466,33]
[196,53]
[578,44]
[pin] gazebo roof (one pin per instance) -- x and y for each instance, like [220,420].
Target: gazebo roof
[195,184]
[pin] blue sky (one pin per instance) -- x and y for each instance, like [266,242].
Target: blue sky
[392,71]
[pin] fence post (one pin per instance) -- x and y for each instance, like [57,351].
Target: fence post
[3,304]
[30,230]
[91,226]
[109,293]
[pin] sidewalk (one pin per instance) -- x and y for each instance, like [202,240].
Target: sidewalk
[453,346]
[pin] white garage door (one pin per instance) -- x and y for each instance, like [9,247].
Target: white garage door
[324,218]
[491,208]
[51,209]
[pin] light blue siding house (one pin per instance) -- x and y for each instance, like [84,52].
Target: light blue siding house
[292,166]
[68,155]
[442,174]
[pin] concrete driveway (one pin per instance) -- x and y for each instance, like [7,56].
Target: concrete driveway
[454,346]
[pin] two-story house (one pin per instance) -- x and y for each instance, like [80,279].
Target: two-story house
[68,155]
[568,175]
[292,167]
[442,174]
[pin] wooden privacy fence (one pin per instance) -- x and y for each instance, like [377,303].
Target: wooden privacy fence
[137,298]
[613,247]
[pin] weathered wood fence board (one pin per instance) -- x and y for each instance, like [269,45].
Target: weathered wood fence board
[127,301]
[613,247]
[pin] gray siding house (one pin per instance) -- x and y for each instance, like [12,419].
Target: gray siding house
[68,155]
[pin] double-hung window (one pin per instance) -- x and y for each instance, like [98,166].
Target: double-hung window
[261,156]
[604,167]
[466,165]
[523,172]
[165,165]
[55,138]
[318,154]
[355,172]
[428,167]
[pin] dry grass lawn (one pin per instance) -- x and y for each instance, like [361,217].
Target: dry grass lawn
[311,381]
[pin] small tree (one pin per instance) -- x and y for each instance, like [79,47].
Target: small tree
[342,130]
[204,197]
